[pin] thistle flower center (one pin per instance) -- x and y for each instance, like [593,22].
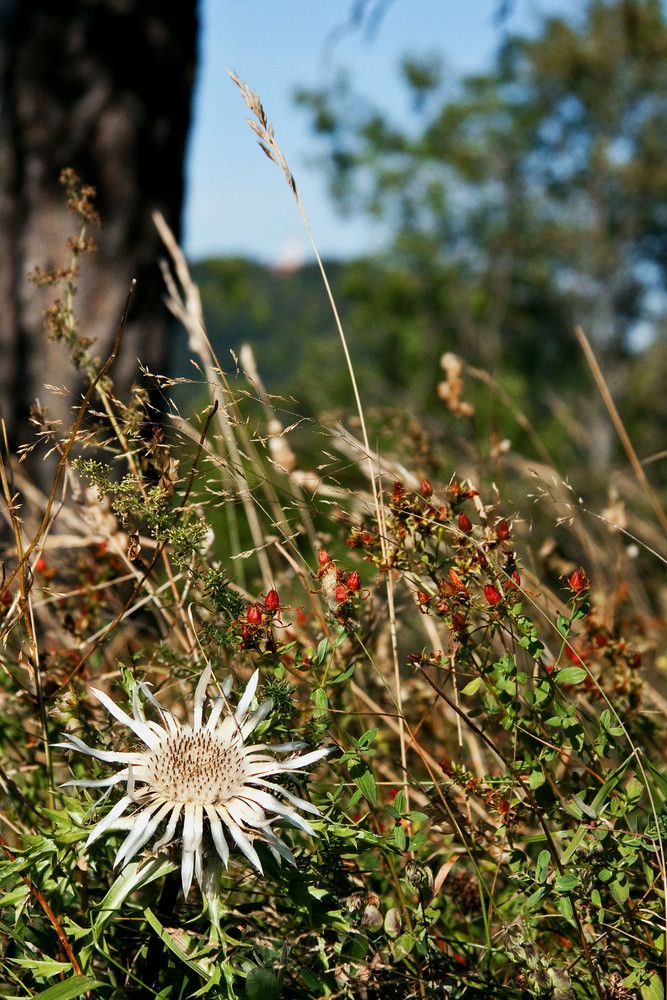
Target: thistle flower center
[195,767]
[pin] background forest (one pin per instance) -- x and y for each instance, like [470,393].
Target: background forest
[521,203]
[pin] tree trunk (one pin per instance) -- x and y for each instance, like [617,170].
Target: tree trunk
[103,86]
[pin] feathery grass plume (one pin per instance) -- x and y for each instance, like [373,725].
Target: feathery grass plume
[207,773]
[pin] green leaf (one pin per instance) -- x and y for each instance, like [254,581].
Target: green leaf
[262,984]
[174,946]
[323,650]
[570,675]
[472,686]
[320,700]
[416,817]
[76,986]
[536,897]
[536,778]
[132,877]
[312,982]
[653,990]
[566,883]
[634,790]
[399,802]
[17,895]
[402,946]
[367,738]
[363,778]
[344,676]
[42,968]
[542,868]
[620,888]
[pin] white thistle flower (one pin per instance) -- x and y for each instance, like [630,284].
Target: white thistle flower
[204,772]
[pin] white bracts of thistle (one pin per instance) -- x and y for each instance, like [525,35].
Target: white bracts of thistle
[206,774]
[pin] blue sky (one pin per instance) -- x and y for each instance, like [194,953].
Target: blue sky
[237,201]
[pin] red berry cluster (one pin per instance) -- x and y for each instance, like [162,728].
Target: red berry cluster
[339,589]
[417,525]
[256,623]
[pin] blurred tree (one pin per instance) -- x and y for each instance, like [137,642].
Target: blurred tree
[104,87]
[518,202]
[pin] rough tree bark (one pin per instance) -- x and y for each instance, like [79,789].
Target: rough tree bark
[103,86]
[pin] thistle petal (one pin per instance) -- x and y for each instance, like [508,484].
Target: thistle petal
[140,729]
[246,697]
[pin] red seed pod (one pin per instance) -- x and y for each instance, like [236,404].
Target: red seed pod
[578,581]
[456,580]
[502,531]
[465,524]
[6,597]
[254,614]
[458,621]
[272,602]
[423,597]
[40,565]
[342,593]
[323,557]
[516,579]
[425,489]
[492,594]
[397,492]
[354,581]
